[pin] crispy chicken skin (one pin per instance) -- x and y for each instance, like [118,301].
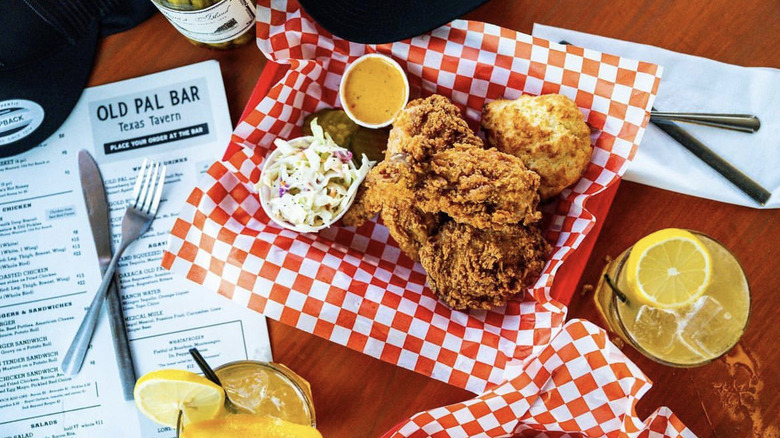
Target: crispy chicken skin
[367,203]
[469,268]
[425,127]
[547,132]
[411,227]
[483,188]
[463,211]
[389,191]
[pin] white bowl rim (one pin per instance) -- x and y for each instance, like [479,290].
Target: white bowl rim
[264,194]
[360,59]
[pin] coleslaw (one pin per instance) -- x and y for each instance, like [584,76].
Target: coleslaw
[310,182]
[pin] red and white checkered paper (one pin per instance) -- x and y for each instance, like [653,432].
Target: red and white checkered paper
[580,385]
[354,286]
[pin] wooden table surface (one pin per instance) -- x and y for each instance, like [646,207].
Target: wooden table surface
[737,395]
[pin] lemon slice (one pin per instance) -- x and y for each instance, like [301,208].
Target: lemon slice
[668,269]
[160,395]
[246,425]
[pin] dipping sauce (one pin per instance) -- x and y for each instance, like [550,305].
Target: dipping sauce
[374,90]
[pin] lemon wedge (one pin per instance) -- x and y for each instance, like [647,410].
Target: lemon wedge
[247,425]
[160,394]
[670,268]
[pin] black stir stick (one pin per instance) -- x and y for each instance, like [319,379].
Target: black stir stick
[211,375]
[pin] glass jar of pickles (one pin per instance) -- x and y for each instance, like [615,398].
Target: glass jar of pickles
[217,24]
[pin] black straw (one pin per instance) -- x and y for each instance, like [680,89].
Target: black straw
[204,366]
[178,424]
[211,375]
[621,296]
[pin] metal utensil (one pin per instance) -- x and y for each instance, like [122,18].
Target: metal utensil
[97,210]
[136,221]
[735,122]
[743,182]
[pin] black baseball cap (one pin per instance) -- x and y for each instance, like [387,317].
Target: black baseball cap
[384,21]
[47,49]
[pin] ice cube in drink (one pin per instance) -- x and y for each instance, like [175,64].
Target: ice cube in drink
[655,329]
[707,329]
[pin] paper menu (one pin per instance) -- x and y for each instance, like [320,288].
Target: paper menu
[49,270]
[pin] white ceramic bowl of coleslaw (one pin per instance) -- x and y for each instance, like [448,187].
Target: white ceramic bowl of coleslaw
[308,183]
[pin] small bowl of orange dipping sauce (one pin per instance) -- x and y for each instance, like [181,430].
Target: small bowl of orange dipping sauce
[373,90]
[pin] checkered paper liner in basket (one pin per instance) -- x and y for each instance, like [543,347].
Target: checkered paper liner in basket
[354,286]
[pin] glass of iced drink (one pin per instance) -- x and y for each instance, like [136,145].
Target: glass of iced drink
[268,389]
[677,296]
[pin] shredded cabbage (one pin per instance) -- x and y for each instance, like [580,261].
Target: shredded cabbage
[311,184]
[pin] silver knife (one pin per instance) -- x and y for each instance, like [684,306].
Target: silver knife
[97,208]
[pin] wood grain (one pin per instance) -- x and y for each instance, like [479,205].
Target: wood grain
[357,396]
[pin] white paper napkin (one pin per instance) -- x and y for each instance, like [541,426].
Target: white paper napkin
[694,84]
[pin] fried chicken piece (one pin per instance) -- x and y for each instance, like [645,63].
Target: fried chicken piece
[483,188]
[410,227]
[388,189]
[456,207]
[425,127]
[469,268]
[547,132]
[368,199]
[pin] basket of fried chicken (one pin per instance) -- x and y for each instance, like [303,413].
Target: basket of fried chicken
[467,208]
[414,201]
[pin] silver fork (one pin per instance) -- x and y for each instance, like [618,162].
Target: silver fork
[136,221]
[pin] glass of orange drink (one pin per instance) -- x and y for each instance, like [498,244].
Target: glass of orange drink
[678,296]
[265,399]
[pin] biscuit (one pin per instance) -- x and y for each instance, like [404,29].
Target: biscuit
[547,132]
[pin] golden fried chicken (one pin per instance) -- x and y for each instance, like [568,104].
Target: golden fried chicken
[425,127]
[547,132]
[411,227]
[369,198]
[483,188]
[389,189]
[462,210]
[480,269]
